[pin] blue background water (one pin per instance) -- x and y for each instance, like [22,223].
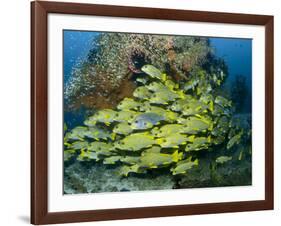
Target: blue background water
[76,47]
[237,53]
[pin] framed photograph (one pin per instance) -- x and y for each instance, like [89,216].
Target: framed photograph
[147,112]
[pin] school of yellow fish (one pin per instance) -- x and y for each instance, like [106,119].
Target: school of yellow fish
[163,126]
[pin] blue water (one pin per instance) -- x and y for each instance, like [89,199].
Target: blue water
[76,47]
[237,53]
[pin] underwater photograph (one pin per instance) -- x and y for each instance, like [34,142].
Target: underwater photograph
[155,112]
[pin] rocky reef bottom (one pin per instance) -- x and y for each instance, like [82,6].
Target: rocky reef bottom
[91,177]
[81,177]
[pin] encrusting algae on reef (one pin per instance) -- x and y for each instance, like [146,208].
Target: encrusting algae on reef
[166,125]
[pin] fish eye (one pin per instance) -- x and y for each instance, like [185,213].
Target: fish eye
[99,148]
[129,123]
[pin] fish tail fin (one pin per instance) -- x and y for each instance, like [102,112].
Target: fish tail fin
[113,136]
[175,156]
[196,162]
[191,138]
[180,155]
[181,94]
[82,154]
[189,158]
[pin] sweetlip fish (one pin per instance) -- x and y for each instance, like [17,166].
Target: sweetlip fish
[153,72]
[135,142]
[125,116]
[223,102]
[196,107]
[163,97]
[87,155]
[142,93]
[68,154]
[179,104]
[144,107]
[97,133]
[169,116]
[194,125]
[198,143]
[111,160]
[157,87]
[190,84]
[171,85]
[128,104]
[234,140]
[174,140]
[154,160]
[122,128]
[167,130]
[105,116]
[223,124]
[78,145]
[153,149]
[101,148]
[142,80]
[78,133]
[183,166]
[130,160]
[126,170]
[223,159]
[146,121]
[208,99]
[219,110]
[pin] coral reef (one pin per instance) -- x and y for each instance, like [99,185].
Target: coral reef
[106,77]
[168,126]
[83,177]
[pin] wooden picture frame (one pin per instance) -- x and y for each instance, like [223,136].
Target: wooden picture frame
[39,112]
